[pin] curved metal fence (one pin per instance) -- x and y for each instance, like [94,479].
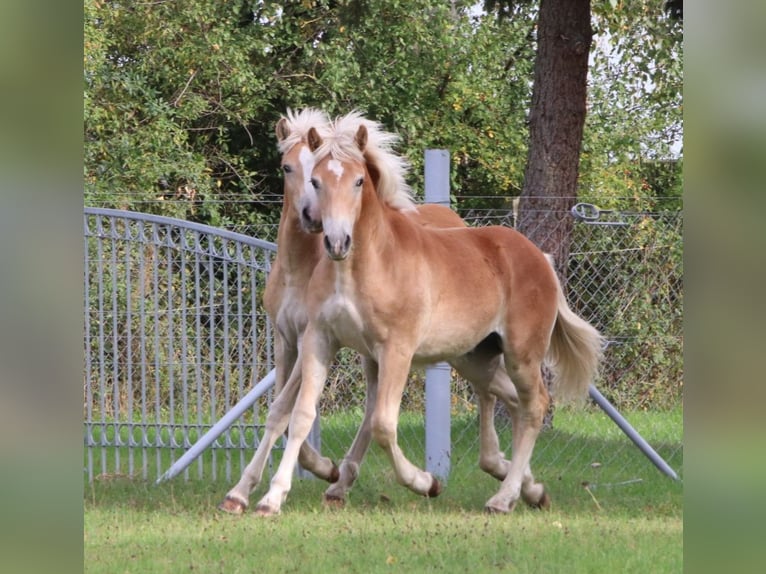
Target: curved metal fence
[174,334]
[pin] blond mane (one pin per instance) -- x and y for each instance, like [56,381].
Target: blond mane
[299,124]
[392,188]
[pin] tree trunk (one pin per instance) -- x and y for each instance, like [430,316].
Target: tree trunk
[556,120]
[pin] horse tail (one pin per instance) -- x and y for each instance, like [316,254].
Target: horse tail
[574,354]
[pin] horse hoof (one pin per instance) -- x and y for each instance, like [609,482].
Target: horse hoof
[544,503]
[493,509]
[232,506]
[264,510]
[332,502]
[334,474]
[435,490]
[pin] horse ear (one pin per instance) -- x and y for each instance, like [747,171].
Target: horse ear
[314,139]
[282,129]
[361,137]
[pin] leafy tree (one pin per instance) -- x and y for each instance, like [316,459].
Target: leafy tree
[441,80]
[632,146]
[633,98]
[557,119]
[181,99]
[180,104]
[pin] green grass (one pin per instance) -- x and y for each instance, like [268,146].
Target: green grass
[161,533]
[618,515]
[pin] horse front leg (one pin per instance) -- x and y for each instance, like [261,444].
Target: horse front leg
[286,357]
[237,499]
[316,354]
[394,366]
[335,495]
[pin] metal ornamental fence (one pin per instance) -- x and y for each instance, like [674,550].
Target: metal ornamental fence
[175,335]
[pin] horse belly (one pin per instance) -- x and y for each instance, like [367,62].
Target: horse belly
[442,349]
[453,333]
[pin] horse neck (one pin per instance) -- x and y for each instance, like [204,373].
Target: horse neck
[373,231]
[298,251]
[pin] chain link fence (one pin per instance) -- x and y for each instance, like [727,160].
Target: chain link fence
[625,275]
[175,334]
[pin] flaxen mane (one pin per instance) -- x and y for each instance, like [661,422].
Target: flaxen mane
[392,169]
[298,125]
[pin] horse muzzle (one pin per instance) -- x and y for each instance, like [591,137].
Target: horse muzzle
[308,223]
[337,248]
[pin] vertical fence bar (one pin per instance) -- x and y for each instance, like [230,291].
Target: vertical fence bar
[183,247]
[158,442]
[198,341]
[88,351]
[127,247]
[211,343]
[170,347]
[101,351]
[142,337]
[438,439]
[225,357]
[240,349]
[116,443]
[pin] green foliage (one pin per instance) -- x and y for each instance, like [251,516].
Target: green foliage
[635,102]
[180,104]
[629,282]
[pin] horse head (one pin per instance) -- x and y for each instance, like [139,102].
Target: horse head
[297,164]
[339,176]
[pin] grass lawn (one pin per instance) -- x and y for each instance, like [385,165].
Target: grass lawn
[596,524]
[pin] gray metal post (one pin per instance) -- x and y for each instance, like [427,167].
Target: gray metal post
[220,427]
[438,440]
[632,434]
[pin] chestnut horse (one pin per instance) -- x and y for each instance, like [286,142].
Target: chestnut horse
[300,249]
[402,294]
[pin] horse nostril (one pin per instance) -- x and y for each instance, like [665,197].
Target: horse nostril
[305,214]
[327,245]
[347,243]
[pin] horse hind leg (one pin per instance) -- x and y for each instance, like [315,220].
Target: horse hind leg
[533,493]
[531,401]
[318,465]
[480,367]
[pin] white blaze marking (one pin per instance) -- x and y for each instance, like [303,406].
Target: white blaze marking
[336,167]
[307,162]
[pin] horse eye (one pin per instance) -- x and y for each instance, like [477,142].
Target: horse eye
[359,182]
[287,169]
[315,183]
